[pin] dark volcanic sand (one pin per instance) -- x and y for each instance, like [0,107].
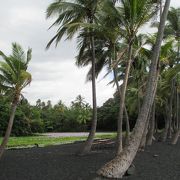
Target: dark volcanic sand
[59,163]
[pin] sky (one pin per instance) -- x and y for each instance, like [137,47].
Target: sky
[55,75]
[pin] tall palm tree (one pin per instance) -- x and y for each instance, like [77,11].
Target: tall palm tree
[117,167]
[107,45]
[13,79]
[129,17]
[70,17]
[132,15]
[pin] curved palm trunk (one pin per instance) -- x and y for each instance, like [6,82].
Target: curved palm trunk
[125,110]
[9,128]
[88,144]
[122,102]
[150,117]
[117,167]
[152,111]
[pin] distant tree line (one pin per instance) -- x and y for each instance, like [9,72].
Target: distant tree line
[45,117]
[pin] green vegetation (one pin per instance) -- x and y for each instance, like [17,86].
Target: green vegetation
[31,141]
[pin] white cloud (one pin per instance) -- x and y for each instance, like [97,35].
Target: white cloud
[55,75]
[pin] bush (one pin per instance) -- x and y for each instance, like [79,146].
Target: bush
[37,126]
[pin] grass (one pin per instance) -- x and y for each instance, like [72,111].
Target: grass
[30,141]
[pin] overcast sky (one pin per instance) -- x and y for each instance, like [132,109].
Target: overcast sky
[55,76]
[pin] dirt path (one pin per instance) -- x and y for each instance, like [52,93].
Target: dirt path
[72,134]
[60,163]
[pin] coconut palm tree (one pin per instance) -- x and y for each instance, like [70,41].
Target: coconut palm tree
[71,15]
[117,167]
[107,45]
[173,28]
[132,15]
[129,17]
[13,79]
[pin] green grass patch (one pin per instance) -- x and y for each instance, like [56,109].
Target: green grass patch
[30,141]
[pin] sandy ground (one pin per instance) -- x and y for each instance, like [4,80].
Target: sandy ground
[61,163]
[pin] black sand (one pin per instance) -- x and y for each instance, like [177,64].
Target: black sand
[60,163]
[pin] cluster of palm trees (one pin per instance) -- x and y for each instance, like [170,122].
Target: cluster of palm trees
[108,35]
[146,66]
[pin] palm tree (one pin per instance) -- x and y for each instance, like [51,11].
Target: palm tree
[132,15]
[173,28]
[107,45]
[117,167]
[128,19]
[13,79]
[70,18]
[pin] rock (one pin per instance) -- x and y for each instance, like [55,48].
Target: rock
[155,155]
[131,170]
[36,145]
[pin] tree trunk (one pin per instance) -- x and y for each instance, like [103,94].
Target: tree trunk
[151,115]
[9,128]
[176,136]
[170,109]
[127,125]
[152,126]
[125,110]
[165,132]
[117,167]
[143,139]
[88,144]
[122,103]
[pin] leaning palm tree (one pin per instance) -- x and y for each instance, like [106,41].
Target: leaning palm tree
[132,15]
[70,17]
[13,79]
[117,167]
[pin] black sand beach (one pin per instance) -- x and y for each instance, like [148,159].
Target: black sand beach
[158,162]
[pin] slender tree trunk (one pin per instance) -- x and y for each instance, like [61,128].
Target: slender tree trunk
[170,110]
[127,126]
[117,167]
[177,109]
[165,132]
[143,139]
[88,144]
[178,56]
[9,128]
[123,95]
[125,110]
[176,136]
[152,126]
